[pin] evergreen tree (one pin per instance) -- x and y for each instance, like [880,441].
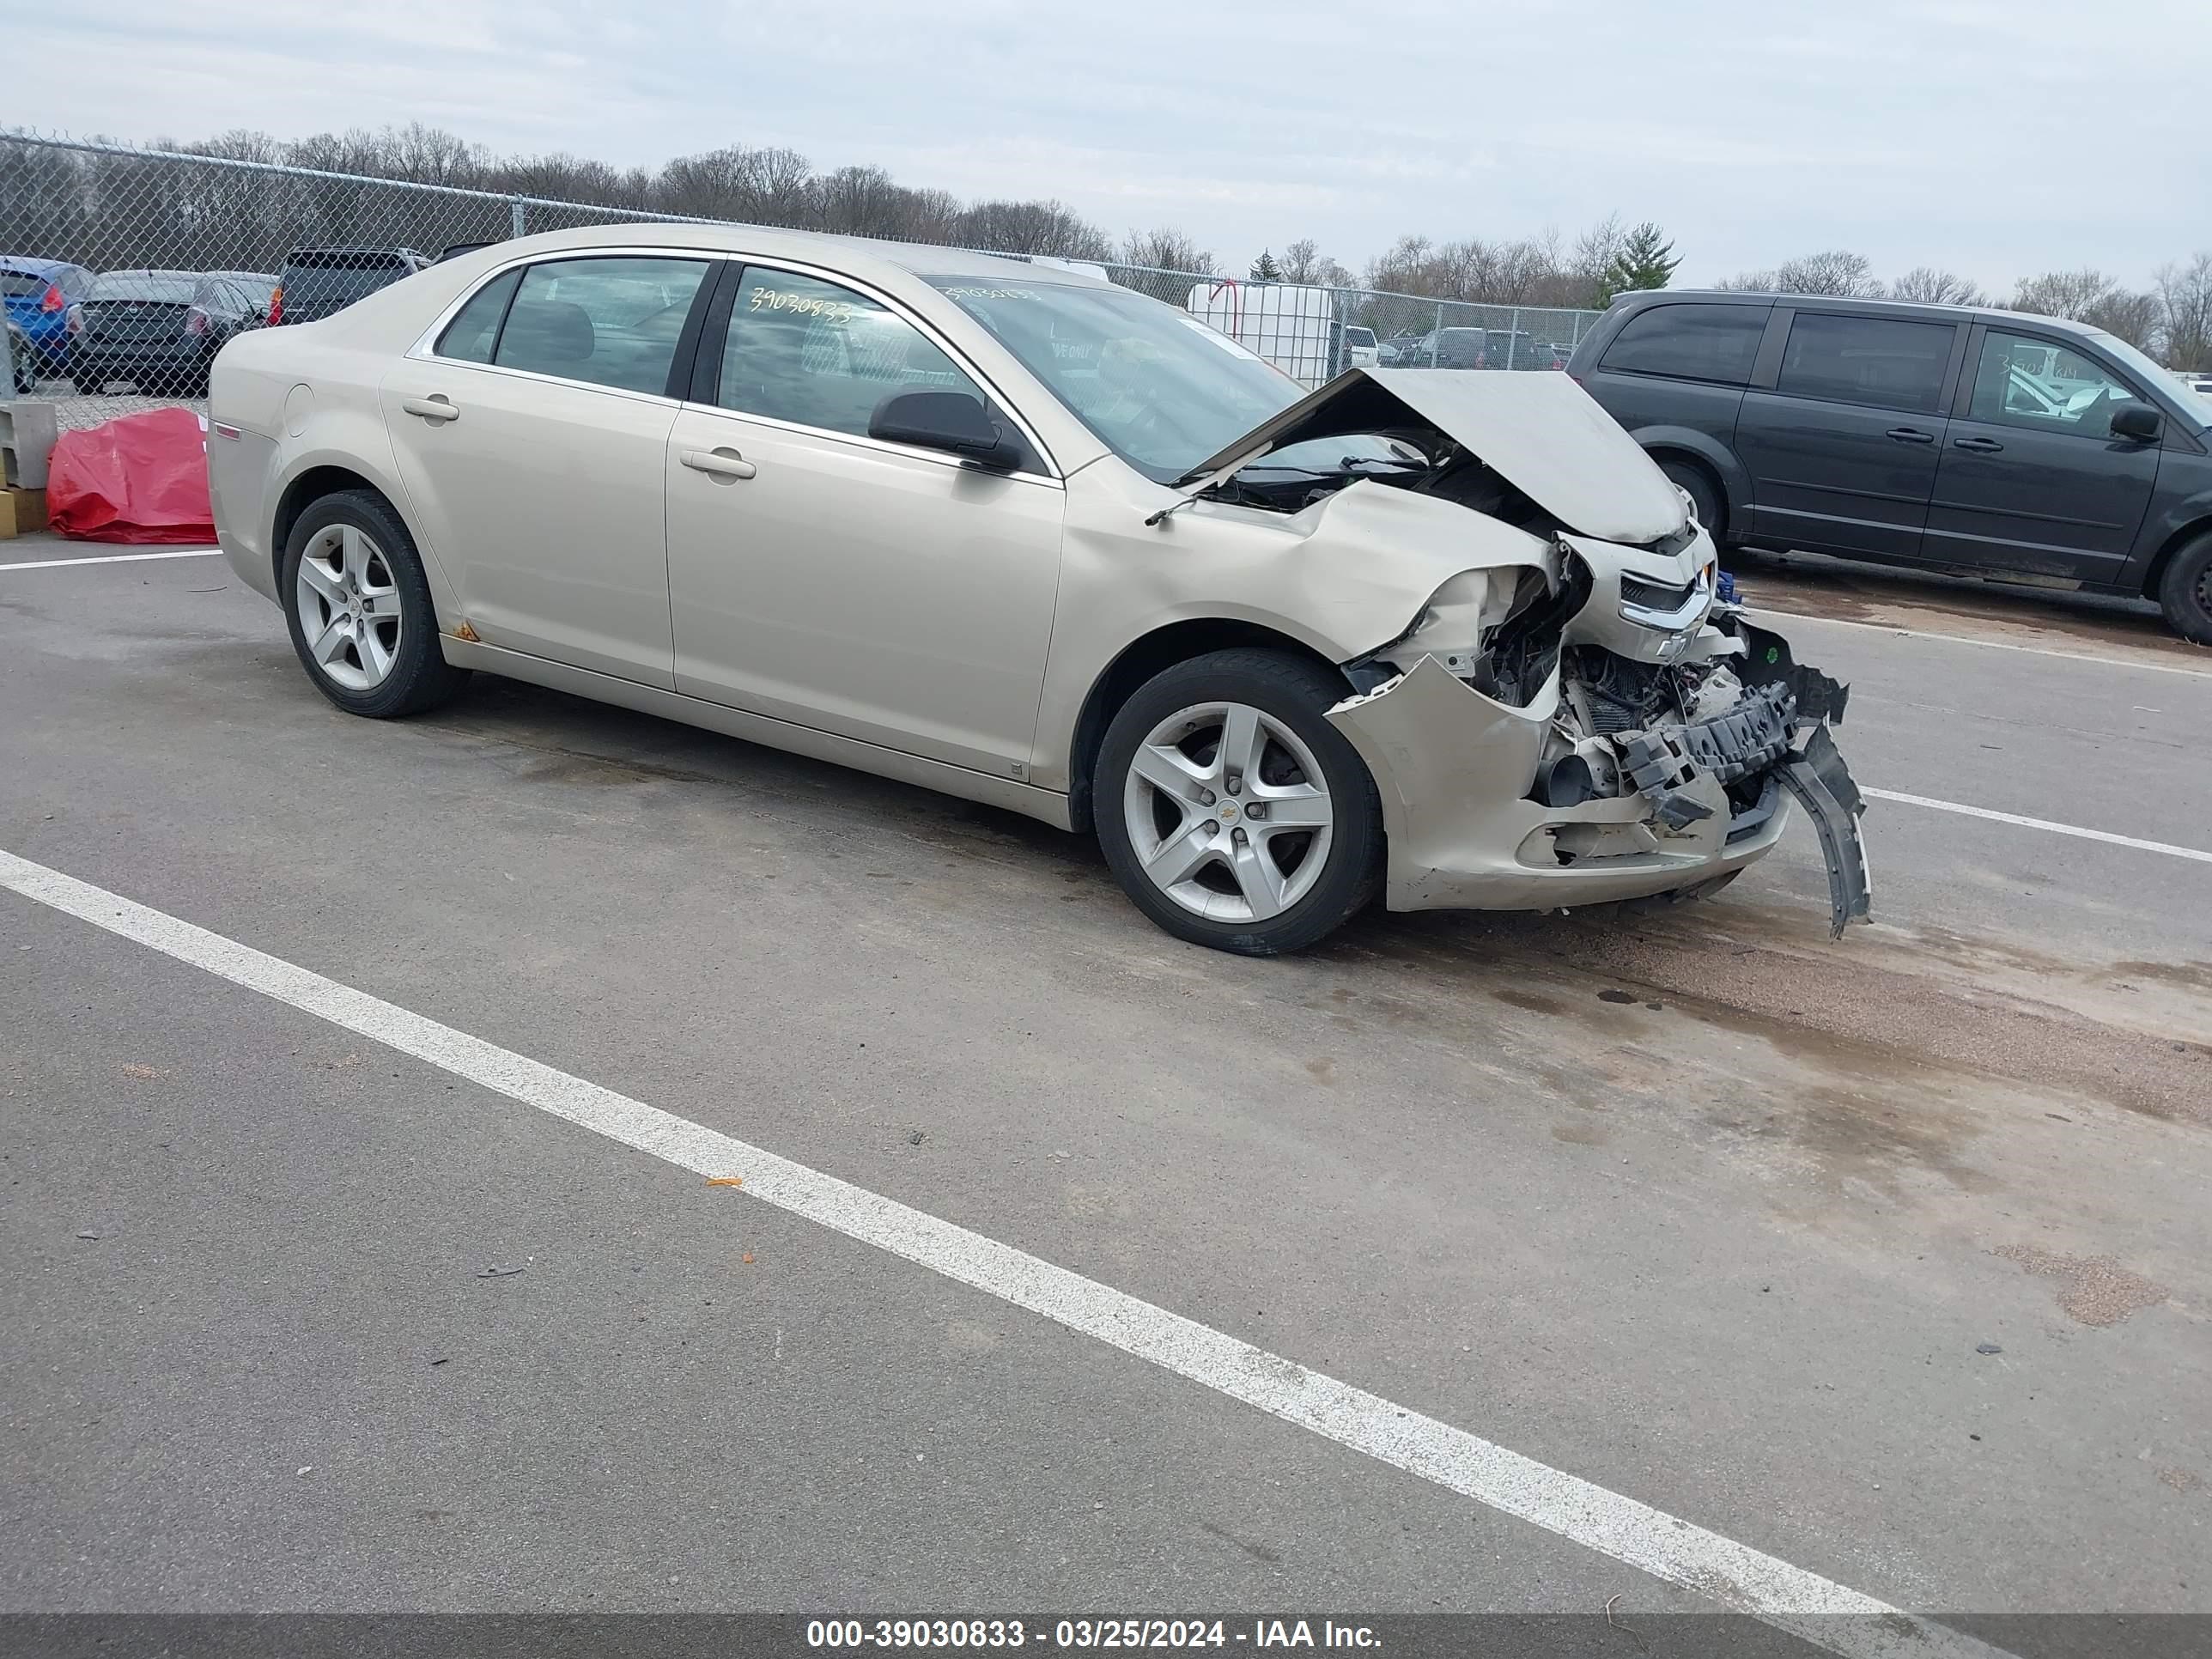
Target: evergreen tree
[1265,270]
[1646,259]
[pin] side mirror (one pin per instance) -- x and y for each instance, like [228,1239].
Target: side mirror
[953,422]
[2137,422]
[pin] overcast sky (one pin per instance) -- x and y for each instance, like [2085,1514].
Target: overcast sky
[1998,139]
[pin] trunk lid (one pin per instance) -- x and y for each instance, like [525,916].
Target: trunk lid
[1542,432]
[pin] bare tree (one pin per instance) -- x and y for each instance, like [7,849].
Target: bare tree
[2185,302]
[2068,293]
[1049,227]
[1929,285]
[1166,249]
[2134,316]
[759,186]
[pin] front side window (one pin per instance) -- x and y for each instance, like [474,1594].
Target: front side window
[611,322]
[1867,360]
[1690,342]
[475,328]
[2043,387]
[819,354]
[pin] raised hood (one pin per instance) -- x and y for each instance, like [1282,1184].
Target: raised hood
[1543,433]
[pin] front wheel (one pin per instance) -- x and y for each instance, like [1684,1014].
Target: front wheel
[359,608]
[2185,593]
[1231,811]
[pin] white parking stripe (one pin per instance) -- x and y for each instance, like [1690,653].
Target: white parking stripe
[1738,1576]
[1992,645]
[2074,830]
[118,558]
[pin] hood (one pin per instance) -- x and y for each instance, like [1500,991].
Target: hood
[1541,432]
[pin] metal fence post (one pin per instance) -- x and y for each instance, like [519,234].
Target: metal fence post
[1436,336]
[516,214]
[1513,337]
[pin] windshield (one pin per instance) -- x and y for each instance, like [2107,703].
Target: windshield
[2150,373]
[166,287]
[1158,387]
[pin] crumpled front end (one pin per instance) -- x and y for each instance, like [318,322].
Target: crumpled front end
[1623,734]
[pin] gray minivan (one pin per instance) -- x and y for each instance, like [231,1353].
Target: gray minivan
[1957,438]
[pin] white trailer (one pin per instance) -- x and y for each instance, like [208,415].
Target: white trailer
[1293,327]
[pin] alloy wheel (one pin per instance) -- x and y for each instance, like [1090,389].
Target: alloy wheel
[1228,812]
[350,611]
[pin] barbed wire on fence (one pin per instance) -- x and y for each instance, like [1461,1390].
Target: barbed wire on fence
[85,209]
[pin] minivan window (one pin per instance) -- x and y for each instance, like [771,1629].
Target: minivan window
[1690,342]
[612,322]
[1866,360]
[475,328]
[2029,383]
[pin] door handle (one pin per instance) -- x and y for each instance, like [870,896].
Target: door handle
[1978,446]
[725,463]
[438,407]
[1911,434]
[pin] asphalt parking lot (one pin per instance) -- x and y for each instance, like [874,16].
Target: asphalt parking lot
[1872,1269]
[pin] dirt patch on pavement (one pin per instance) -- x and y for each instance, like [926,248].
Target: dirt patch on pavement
[2092,1289]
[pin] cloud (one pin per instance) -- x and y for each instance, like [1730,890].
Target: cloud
[1997,139]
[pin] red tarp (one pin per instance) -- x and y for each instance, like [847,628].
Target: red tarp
[140,479]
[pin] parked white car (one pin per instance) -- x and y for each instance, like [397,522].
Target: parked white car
[1030,538]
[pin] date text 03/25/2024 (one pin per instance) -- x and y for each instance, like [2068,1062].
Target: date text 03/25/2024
[1086,1633]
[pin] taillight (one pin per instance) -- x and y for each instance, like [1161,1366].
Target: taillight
[195,321]
[52,300]
[276,305]
[74,321]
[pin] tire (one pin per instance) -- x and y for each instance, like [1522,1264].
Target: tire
[365,607]
[2184,592]
[1704,496]
[1313,800]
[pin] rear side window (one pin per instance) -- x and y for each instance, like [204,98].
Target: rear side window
[1866,360]
[1690,342]
[475,328]
[610,322]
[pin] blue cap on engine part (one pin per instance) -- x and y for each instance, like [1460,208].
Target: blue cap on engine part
[1727,588]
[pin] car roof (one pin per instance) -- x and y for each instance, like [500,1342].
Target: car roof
[1904,310]
[30,267]
[856,253]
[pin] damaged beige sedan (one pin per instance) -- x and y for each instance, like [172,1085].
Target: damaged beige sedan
[1025,537]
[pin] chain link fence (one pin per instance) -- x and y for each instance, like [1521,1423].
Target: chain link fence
[125,271]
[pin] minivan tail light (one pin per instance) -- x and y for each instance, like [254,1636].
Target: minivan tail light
[52,300]
[195,321]
[276,305]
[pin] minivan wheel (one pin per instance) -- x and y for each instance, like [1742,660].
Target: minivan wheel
[2185,590]
[1704,496]
[360,613]
[1231,811]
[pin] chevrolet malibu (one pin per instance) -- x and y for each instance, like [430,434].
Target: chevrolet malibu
[1021,536]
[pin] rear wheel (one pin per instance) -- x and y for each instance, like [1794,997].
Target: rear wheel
[359,611]
[1704,495]
[2185,590]
[1233,814]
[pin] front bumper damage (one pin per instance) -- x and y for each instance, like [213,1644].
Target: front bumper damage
[1457,773]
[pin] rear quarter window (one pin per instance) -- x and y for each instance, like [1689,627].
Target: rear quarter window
[1690,342]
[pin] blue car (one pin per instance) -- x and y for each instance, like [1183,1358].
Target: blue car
[37,293]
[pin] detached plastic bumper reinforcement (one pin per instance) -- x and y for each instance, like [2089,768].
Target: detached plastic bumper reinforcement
[1822,784]
[1750,738]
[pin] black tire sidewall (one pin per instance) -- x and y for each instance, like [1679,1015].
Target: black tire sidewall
[1299,693]
[419,679]
[2182,592]
[1712,513]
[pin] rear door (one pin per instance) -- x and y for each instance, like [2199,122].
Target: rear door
[1841,451]
[532,439]
[2030,476]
